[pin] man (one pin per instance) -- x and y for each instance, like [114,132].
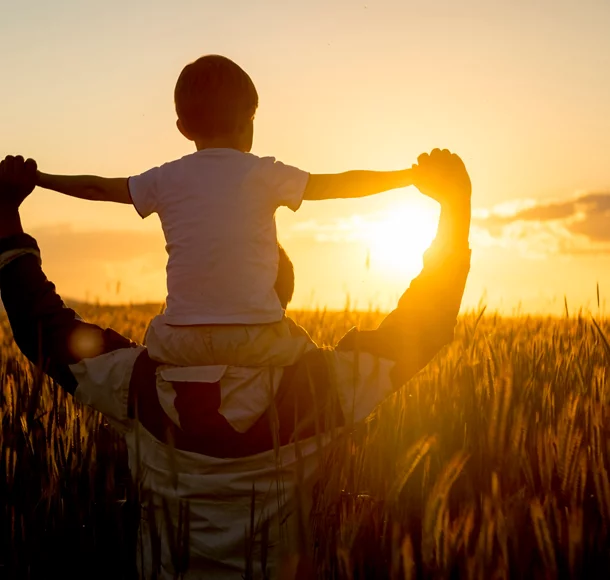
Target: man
[239,472]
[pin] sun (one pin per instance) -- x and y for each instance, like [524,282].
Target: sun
[400,235]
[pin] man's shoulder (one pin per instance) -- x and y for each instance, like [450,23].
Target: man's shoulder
[104,382]
[297,330]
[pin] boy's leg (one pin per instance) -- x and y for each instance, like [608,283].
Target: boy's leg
[252,345]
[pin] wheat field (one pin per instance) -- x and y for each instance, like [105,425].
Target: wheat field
[491,463]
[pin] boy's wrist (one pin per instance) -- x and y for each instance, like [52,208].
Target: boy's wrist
[405,177]
[40,177]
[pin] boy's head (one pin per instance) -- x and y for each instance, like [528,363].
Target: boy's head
[216,101]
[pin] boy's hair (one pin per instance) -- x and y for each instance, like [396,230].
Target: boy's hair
[214,97]
[284,283]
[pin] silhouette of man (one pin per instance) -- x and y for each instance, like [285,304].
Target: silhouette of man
[191,440]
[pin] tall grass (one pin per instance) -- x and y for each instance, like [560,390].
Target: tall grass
[492,463]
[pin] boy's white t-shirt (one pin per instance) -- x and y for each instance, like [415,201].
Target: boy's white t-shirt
[217,210]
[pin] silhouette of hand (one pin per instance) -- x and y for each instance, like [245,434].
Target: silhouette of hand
[17,180]
[442,176]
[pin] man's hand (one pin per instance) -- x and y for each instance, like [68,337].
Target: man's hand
[17,181]
[442,176]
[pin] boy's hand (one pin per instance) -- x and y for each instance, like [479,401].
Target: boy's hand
[442,176]
[17,180]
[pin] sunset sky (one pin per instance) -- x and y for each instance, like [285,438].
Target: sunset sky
[520,89]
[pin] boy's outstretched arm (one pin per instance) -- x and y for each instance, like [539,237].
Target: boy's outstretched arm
[352,184]
[89,187]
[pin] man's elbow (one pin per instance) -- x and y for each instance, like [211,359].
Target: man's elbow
[419,356]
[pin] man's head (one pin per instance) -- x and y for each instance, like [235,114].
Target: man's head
[215,102]
[284,283]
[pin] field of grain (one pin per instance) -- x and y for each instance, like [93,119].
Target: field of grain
[492,463]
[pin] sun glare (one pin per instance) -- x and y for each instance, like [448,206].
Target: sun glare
[398,239]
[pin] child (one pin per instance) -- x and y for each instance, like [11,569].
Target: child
[217,209]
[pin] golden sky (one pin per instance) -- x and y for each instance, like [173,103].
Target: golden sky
[520,89]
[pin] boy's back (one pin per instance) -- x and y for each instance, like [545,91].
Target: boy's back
[217,209]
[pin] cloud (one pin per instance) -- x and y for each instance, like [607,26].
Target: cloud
[575,226]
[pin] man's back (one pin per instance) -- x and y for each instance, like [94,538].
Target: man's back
[230,479]
[244,487]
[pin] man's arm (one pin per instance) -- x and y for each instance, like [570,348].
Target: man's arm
[46,331]
[367,366]
[425,317]
[426,314]
[353,184]
[89,187]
